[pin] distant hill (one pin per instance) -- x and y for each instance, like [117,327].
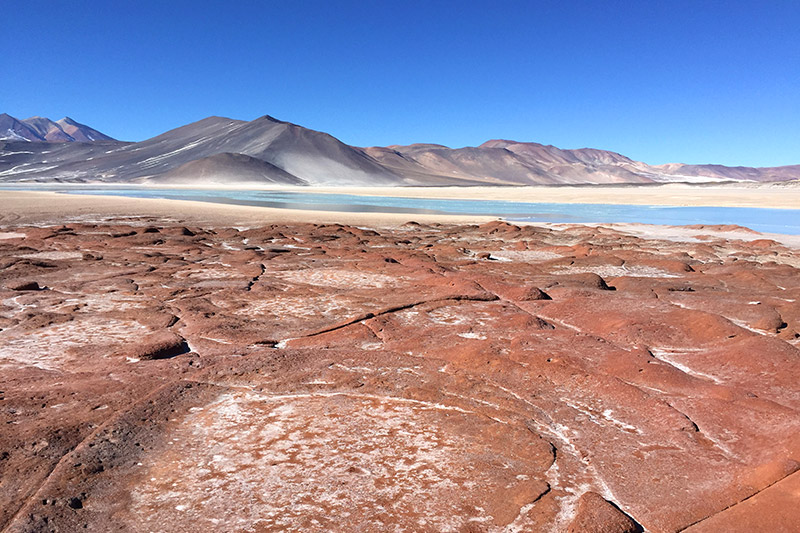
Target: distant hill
[41,129]
[266,150]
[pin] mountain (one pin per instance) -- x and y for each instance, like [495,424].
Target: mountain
[306,155]
[504,162]
[511,163]
[228,169]
[41,129]
[81,132]
[219,150]
[15,130]
[312,156]
[47,130]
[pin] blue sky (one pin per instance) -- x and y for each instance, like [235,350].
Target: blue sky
[690,81]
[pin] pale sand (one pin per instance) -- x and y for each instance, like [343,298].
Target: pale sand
[778,196]
[43,208]
[784,195]
[49,208]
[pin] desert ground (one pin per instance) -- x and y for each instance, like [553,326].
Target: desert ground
[178,366]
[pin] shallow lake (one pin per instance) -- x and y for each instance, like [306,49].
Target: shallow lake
[786,221]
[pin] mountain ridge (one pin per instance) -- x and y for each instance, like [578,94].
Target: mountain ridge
[270,150]
[42,129]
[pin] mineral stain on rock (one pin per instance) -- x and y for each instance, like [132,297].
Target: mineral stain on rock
[311,377]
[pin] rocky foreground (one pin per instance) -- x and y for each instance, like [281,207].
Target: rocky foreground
[421,378]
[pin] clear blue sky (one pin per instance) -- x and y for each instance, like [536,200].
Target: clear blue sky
[690,81]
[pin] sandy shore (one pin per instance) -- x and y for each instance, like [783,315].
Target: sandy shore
[49,208]
[753,195]
[771,195]
[42,208]
[766,195]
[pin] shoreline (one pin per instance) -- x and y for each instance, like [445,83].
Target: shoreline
[39,208]
[754,195]
[676,195]
[43,207]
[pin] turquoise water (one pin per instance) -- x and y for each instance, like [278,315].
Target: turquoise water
[786,221]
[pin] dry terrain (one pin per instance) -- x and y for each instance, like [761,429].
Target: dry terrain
[425,377]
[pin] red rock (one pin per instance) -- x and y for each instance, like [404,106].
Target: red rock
[24,286]
[436,386]
[763,243]
[765,511]
[160,345]
[585,279]
[596,515]
[498,226]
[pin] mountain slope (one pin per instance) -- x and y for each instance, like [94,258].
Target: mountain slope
[228,169]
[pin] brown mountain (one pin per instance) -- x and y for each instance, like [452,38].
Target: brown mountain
[48,130]
[81,132]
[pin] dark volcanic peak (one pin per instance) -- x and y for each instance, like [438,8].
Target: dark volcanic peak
[42,129]
[268,150]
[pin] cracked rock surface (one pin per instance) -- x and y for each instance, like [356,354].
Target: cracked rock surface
[315,377]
